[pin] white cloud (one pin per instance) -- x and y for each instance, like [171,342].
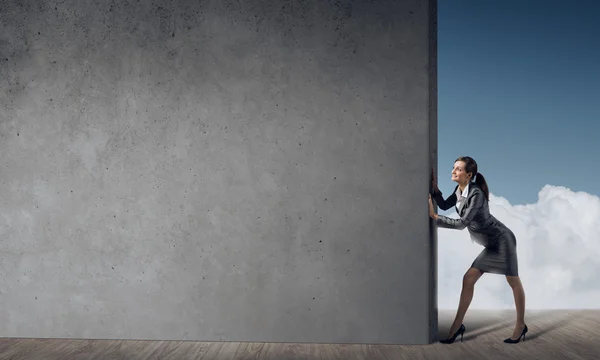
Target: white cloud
[558,244]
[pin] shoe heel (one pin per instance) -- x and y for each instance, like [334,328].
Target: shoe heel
[511,341]
[450,340]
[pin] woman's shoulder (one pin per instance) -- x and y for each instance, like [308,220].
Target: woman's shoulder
[475,188]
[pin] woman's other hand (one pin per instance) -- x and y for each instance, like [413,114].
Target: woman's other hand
[432,213]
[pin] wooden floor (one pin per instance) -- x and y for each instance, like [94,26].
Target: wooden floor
[552,335]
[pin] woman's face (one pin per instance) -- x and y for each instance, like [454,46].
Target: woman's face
[459,173]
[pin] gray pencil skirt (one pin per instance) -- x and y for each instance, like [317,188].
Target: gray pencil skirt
[500,256]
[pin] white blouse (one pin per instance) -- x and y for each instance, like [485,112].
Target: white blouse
[461,197]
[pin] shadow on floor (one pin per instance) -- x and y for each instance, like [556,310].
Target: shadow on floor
[567,319]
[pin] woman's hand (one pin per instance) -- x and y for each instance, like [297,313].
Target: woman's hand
[434,185]
[432,213]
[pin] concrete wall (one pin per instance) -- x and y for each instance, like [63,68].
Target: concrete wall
[217,170]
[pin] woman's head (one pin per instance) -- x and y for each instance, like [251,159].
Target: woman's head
[465,169]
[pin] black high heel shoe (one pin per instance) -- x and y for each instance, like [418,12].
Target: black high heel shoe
[450,340]
[511,341]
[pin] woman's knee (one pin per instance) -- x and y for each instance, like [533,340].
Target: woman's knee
[471,277]
[513,281]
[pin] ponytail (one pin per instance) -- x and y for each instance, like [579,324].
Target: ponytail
[480,180]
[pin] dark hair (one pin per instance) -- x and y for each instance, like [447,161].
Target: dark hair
[471,167]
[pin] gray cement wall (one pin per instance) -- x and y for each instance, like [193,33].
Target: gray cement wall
[217,170]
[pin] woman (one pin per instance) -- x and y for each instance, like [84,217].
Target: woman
[471,200]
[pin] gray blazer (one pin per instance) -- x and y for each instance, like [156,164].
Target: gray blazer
[474,214]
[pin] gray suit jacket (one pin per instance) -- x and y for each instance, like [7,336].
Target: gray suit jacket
[475,215]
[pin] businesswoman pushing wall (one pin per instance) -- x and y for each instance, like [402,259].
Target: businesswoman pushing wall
[499,255]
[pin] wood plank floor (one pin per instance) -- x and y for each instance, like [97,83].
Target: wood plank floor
[564,334]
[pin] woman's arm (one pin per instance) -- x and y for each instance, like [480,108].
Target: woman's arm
[476,202]
[439,199]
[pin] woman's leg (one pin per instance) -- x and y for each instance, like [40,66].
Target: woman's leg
[466,295]
[519,295]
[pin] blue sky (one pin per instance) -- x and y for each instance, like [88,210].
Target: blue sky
[519,91]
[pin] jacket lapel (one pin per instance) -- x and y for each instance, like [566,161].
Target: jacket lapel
[462,209]
[467,200]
